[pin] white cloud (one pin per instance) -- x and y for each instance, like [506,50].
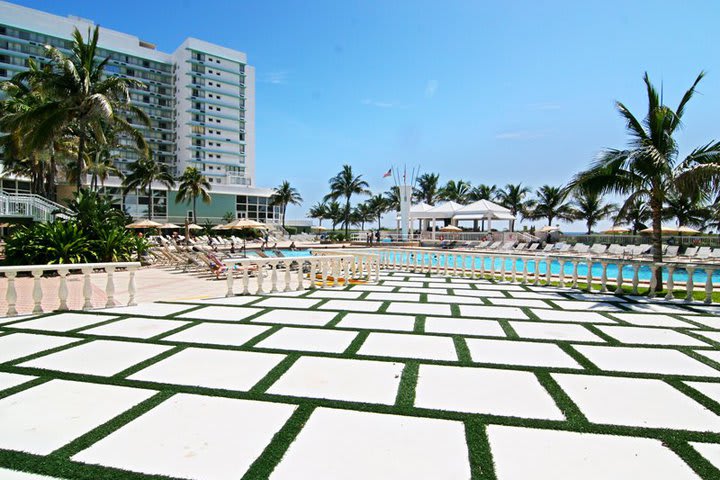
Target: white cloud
[279,77]
[430,88]
[519,135]
[379,104]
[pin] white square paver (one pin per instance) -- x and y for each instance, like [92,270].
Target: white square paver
[309,340]
[712,321]
[651,320]
[278,302]
[596,297]
[409,346]
[136,327]
[454,299]
[708,389]
[523,453]
[296,317]
[6,474]
[352,305]
[519,302]
[395,297]
[365,381]
[15,318]
[378,321]
[453,285]
[711,451]
[100,357]
[436,291]
[19,345]
[419,308]
[237,300]
[713,355]
[506,352]
[587,306]
[655,308]
[484,293]
[538,295]
[326,293]
[636,402]
[218,334]
[484,390]
[149,309]
[400,283]
[554,331]
[651,336]
[221,314]
[463,326]
[192,436]
[486,311]
[350,445]
[226,369]
[9,380]
[577,317]
[371,288]
[645,360]
[63,322]
[42,419]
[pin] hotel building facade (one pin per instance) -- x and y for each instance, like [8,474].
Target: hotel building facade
[200,100]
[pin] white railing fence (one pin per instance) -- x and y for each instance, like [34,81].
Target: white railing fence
[39,208]
[39,272]
[567,271]
[365,265]
[286,274]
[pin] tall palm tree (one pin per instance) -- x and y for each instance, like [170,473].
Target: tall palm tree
[362,213]
[483,192]
[636,214]
[392,199]
[285,195]
[686,210]
[379,205]
[514,198]
[455,191]
[100,166]
[649,168]
[427,188]
[81,97]
[344,185]
[551,204]
[589,207]
[143,173]
[335,213]
[319,211]
[193,184]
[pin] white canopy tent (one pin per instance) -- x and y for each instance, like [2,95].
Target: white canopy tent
[443,211]
[415,210]
[484,210]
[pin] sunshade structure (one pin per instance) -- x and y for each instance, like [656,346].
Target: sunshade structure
[144,224]
[451,228]
[484,210]
[318,228]
[444,211]
[617,229]
[243,223]
[549,228]
[169,226]
[668,229]
[194,226]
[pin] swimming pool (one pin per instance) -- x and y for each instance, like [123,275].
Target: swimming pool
[283,251]
[680,275]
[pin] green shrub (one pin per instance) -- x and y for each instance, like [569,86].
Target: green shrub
[291,230]
[44,243]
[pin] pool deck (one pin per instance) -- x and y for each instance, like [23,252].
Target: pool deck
[416,377]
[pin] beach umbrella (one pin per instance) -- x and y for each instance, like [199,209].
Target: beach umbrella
[549,228]
[194,226]
[673,230]
[143,224]
[451,228]
[318,228]
[169,225]
[218,227]
[617,229]
[243,224]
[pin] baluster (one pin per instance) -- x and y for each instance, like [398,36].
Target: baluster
[445,264]
[87,288]
[653,280]
[636,278]
[575,265]
[273,277]
[670,282]
[286,264]
[407,260]
[110,287]
[561,277]
[229,280]
[63,289]
[513,274]
[313,273]
[525,270]
[246,277]
[346,267]
[708,284]
[11,294]
[690,285]
[463,267]
[360,265]
[536,264]
[588,275]
[131,286]
[335,269]
[482,266]
[377,274]
[603,277]
[324,269]
[619,280]
[503,261]
[37,291]
[492,267]
[473,267]
[260,275]
[548,273]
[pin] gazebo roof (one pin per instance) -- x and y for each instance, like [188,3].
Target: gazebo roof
[444,210]
[483,210]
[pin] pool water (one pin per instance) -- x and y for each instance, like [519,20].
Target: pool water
[285,253]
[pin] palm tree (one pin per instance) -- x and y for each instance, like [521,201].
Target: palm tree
[143,173]
[335,213]
[514,198]
[455,191]
[392,199]
[379,205]
[319,211]
[100,166]
[362,213]
[589,207]
[635,213]
[483,192]
[687,210]
[427,188]
[193,184]
[551,204]
[344,185]
[80,98]
[283,196]
[649,168]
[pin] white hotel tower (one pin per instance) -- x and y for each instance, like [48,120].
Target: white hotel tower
[200,99]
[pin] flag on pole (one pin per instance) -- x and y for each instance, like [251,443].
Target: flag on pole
[388,173]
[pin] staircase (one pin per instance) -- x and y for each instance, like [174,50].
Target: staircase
[26,205]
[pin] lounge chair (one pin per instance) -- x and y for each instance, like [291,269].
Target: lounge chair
[494,245]
[598,249]
[533,246]
[482,244]
[520,246]
[689,252]
[548,248]
[580,248]
[703,252]
[672,251]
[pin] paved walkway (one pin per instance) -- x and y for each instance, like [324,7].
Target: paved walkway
[418,377]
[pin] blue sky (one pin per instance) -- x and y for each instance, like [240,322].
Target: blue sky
[490,92]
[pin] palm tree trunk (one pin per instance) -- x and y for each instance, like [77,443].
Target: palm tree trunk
[656,207]
[284,208]
[50,187]
[194,209]
[150,202]
[347,215]
[81,152]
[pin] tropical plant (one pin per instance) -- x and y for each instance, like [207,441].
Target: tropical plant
[686,209]
[457,192]
[49,243]
[636,214]
[483,192]
[362,213]
[551,204]
[80,98]
[335,213]
[193,184]
[378,205]
[427,188]
[319,211]
[285,195]
[344,185]
[143,173]
[228,216]
[590,208]
[514,198]
[649,168]
[392,199]
[94,212]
